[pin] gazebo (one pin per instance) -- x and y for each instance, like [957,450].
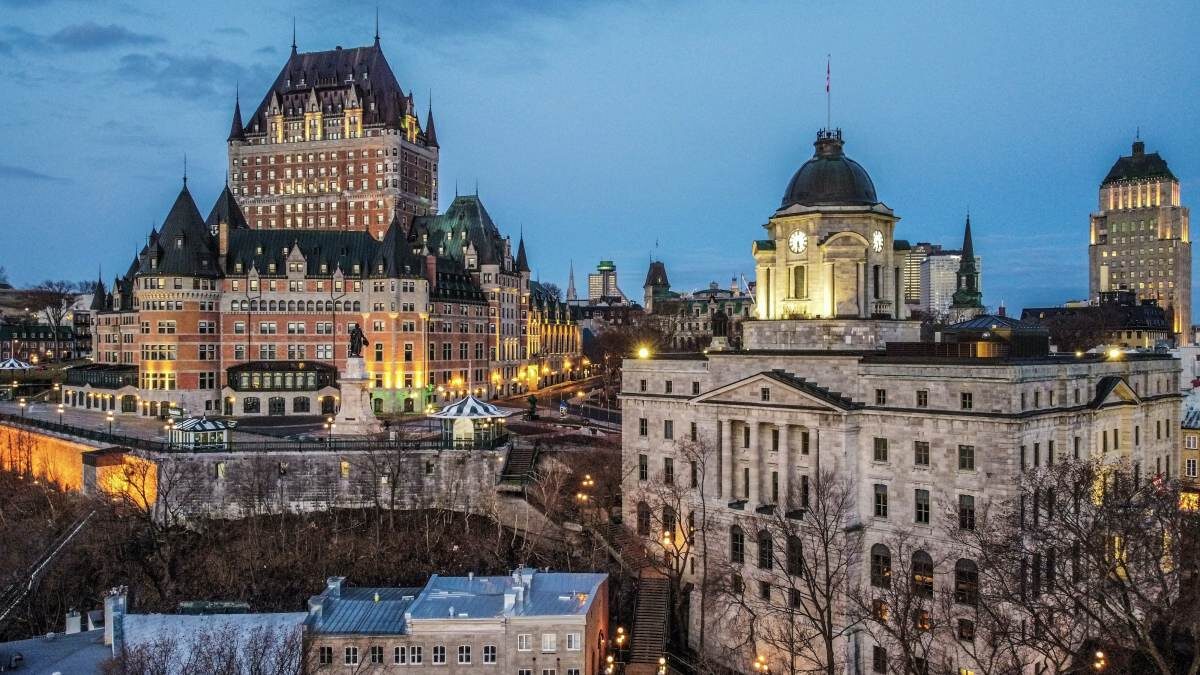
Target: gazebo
[470,421]
[200,432]
[14,364]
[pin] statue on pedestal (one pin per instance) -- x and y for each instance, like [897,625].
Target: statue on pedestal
[358,340]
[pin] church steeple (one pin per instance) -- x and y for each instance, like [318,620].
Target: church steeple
[571,282]
[967,294]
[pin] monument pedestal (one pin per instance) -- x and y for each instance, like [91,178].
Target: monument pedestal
[355,417]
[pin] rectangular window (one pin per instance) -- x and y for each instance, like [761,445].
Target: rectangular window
[1189,468]
[921,453]
[922,398]
[881,397]
[464,653]
[524,642]
[668,429]
[966,400]
[881,450]
[642,386]
[921,507]
[574,642]
[376,653]
[879,662]
[764,394]
[695,388]
[966,458]
[351,656]
[400,656]
[439,654]
[695,474]
[668,471]
[643,467]
[668,387]
[549,642]
[489,653]
[804,442]
[881,501]
[775,440]
[326,656]
[643,427]
[966,512]
[804,492]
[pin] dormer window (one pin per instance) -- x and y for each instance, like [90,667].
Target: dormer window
[237,268]
[179,242]
[270,268]
[258,250]
[324,268]
[355,269]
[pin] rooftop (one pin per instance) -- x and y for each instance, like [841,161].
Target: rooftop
[526,592]
[60,653]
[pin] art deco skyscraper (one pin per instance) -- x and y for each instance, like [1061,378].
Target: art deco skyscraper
[1140,240]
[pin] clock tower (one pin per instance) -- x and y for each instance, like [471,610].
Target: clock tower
[830,250]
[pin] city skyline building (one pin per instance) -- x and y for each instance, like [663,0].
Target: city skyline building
[1140,238]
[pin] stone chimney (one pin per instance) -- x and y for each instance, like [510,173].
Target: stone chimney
[114,617]
[333,587]
[510,599]
[431,271]
[223,238]
[74,623]
[315,604]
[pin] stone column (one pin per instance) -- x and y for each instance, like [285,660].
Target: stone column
[756,464]
[785,466]
[725,462]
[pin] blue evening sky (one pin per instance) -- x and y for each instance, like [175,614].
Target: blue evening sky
[605,127]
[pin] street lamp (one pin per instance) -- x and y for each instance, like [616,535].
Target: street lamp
[760,665]
[643,352]
[662,665]
[22,404]
[109,417]
[1101,661]
[60,414]
[329,425]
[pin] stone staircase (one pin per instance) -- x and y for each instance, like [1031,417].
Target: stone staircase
[519,464]
[649,623]
[630,549]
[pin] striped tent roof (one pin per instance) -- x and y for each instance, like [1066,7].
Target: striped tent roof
[201,424]
[469,408]
[13,364]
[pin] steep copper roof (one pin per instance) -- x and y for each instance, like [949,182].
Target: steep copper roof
[1139,166]
[335,79]
[226,210]
[184,246]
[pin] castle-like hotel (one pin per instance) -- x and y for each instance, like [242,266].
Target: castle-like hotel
[329,220]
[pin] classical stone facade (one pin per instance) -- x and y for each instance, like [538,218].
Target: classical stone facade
[922,434]
[1141,238]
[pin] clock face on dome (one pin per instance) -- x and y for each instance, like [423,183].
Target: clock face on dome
[877,241]
[797,241]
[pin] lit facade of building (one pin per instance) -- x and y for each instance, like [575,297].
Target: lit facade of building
[602,284]
[830,248]
[335,144]
[257,322]
[1141,239]
[922,433]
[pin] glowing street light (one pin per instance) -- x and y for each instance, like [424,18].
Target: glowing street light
[60,414]
[329,426]
[23,404]
[643,352]
[109,417]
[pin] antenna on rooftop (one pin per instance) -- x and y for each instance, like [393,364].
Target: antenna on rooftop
[828,94]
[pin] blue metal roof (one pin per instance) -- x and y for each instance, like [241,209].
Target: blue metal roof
[369,611]
[387,611]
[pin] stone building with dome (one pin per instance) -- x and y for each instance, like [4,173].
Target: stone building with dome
[830,249]
[721,450]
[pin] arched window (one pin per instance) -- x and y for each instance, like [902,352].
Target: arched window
[795,556]
[966,582]
[922,574]
[291,305]
[250,404]
[300,404]
[766,550]
[737,544]
[881,566]
[643,519]
[357,306]
[310,305]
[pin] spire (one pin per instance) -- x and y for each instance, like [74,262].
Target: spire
[967,295]
[236,131]
[293,35]
[522,260]
[377,25]
[968,247]
[185,172]
[430,131]
[571,282]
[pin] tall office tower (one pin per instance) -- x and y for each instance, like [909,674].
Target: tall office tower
[1140,239]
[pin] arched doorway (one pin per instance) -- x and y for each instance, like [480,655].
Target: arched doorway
[328,407]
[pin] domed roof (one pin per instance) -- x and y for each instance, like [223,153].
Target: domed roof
[830,178]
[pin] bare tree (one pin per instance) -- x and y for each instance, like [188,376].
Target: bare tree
[223,649]
[806,559]
[1091,554]
[901,607]
[52,301]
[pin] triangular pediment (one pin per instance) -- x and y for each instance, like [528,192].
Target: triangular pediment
[782,389]
[1114,390]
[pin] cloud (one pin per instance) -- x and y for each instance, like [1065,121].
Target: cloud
[266,50]
[189,76]
[9,172]
[91,36]
[13,38]
[231,30]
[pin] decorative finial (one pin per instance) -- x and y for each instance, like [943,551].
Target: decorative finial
[185,169]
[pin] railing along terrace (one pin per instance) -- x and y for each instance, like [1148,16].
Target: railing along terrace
[329,444]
